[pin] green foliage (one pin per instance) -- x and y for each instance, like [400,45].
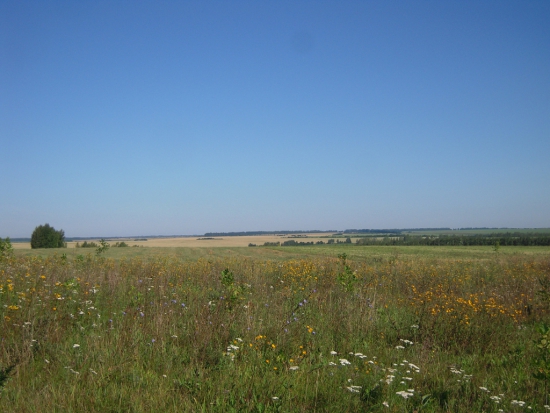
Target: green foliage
[103,247]
[233,290]
[87,244]
[346,277]
[121,244]
[6,249]
[172,334]
[542,358]
[45,236]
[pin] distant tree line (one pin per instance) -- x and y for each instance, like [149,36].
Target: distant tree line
[508,239]
[391,231]
[294,243]
[92,244]
[243,233]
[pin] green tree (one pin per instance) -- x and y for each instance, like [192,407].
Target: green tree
[45,236]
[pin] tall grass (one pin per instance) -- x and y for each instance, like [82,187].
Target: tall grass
[395,334]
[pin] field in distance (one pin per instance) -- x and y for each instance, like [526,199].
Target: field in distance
[201,241]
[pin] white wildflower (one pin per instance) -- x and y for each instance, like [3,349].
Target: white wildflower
[354,389]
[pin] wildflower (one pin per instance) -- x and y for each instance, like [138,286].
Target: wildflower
[405,394]
[414,367]
[275,398]
[333,353]
[354,389]
[76,345]
[386,404]
[344,362]
[293,368]
[399,347]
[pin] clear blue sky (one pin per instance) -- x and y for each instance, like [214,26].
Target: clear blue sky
[122,118]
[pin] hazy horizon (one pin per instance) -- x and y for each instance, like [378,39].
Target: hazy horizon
[195,117]
[296,231]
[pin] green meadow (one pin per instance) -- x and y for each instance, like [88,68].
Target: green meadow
[327,328]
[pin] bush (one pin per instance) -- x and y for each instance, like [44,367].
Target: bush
[6,248]
[87,244]
[45,236]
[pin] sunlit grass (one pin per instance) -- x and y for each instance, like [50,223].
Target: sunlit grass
[385,332]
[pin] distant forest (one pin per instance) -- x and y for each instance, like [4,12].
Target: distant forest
[243,233]
[517,239]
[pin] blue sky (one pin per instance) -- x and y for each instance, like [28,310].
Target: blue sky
[122,118]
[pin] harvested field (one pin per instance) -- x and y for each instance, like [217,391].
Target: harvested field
[200,241]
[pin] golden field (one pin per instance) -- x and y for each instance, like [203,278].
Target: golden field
[194,242]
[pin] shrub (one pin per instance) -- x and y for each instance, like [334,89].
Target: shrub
[87,244]
[45,236]
[6,248]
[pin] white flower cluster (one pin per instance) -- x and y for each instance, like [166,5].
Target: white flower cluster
[354,389]
[406,393]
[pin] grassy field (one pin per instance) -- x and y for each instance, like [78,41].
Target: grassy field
[361,253]
[287,329]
